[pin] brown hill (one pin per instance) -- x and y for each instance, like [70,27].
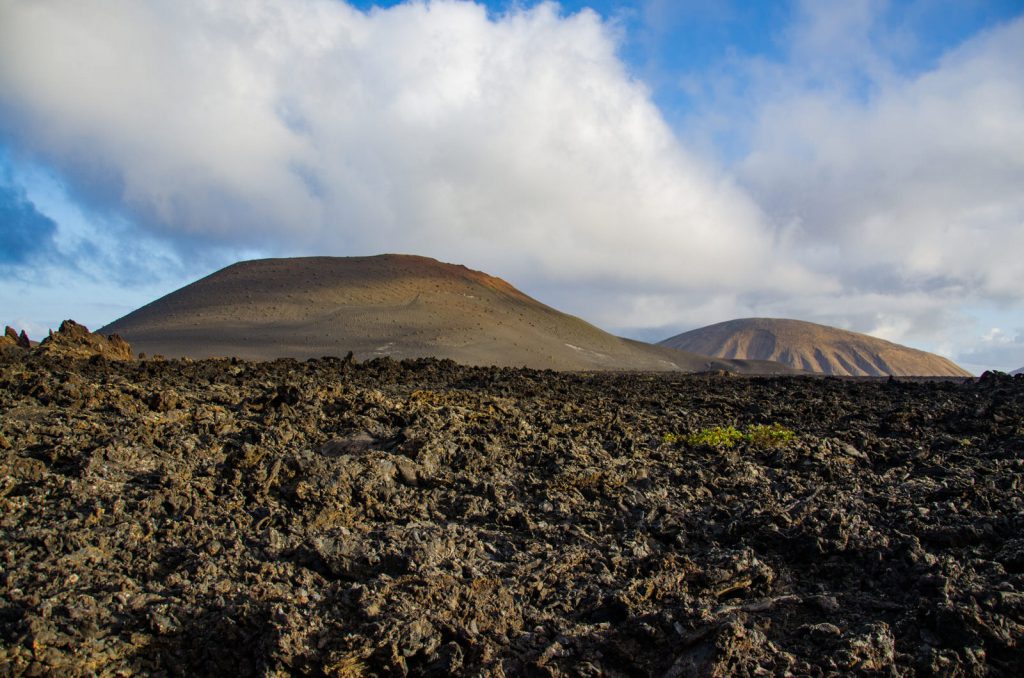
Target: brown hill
[813,347]
[389,305]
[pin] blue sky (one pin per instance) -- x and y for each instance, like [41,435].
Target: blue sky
[666,41]
[651,166]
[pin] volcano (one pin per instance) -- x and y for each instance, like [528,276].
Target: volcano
[393,305]
[813,348]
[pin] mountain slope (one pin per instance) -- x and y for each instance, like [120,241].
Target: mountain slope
[1019,371]
[812,347]
[395,305]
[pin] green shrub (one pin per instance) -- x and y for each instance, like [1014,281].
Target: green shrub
[727,437]
[769,435]
[723,437]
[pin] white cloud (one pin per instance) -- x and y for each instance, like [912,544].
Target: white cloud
[835,42]
[916,187]
[997,349]
[905,188]
[518,144]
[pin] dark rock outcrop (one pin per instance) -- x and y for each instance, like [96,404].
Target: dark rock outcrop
[12,337]
[76,341]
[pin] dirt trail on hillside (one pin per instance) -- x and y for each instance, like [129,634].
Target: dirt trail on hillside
[386,518]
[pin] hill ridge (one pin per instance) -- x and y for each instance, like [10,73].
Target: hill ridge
[403,306]
[812,347]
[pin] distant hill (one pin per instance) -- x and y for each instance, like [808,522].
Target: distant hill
[1020,371]
[812,347]
[389,305]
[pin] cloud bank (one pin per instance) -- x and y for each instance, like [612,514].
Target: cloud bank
[904,189]
[852,192]
[915,188]
[1004,348]
[519,143]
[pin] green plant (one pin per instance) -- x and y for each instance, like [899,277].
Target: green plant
[727,437]
[769,435]
[723,437]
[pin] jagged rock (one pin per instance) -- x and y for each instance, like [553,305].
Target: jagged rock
[76,341]
[424,518]
[11,337]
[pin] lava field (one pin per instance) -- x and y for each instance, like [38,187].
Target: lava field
[336,518]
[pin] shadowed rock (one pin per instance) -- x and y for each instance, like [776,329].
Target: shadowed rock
[11,337]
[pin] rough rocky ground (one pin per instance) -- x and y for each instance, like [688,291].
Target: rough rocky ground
[386,518]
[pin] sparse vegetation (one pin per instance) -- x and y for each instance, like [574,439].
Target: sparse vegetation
[722,437]
[769,435]
[728,437]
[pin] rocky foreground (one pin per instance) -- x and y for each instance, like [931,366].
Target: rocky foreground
[385,518]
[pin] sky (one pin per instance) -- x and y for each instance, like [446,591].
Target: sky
[651,166]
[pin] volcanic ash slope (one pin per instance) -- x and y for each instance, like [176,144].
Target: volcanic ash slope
[389,305]
[814,348]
